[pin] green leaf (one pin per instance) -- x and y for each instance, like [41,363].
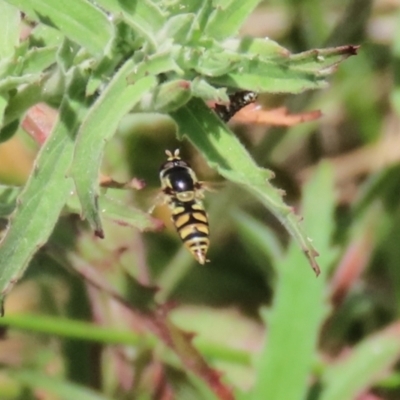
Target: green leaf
[120,213]
[299,305]
[46,35]
[8,199]
[156,64]
[50,89]
[171,95]
[9,130]
[65,55]
[224,152]
[13,82]
[362,368]
[264,48]
[143,16]
[106,67]
[10,27]
[281,73]
[79,20]
[321,61]
[177,28]
[268,76]
[209,62]
[61,388]
[201,88]
[20,102]
[273,70]
[99,126]
[42,199]
[4,97]
[228,17]
[203,11]
[38,59]
[184,7]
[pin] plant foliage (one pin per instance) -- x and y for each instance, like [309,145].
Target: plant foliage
[107,64]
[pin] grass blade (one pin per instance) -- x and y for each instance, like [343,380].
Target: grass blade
[61,388]
[299,305]
[362,368]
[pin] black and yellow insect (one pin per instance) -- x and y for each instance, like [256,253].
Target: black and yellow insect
[184,193]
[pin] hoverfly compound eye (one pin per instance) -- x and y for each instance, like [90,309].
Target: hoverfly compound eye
[183,194]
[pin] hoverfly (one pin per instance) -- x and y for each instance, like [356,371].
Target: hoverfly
[183,193]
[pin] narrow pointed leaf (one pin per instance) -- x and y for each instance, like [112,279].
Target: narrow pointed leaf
[171,95]
[228,17]
[261,47]
[61,388]
[8,199]
[10,27]
[322,61]
[13,82]
[269,76]
[143,16]
[120,213]
[99,126]
[79,20]
[38,59]
[283,73]
[224,152]
[42,199]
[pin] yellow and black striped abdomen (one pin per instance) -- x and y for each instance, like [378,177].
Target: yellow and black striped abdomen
[191,222]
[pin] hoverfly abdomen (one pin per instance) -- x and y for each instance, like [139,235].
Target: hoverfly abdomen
[183,194]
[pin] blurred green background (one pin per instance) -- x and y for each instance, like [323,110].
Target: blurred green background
[258,311]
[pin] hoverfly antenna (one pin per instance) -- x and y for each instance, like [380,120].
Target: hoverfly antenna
[173,156]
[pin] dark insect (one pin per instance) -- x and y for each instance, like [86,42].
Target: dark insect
[183,193]
[237,101]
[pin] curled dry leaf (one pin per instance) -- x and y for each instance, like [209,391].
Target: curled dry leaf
[134,183]
[254,114]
